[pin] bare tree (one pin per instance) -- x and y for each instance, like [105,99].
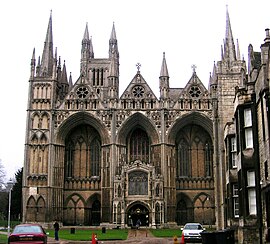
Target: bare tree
[2,175]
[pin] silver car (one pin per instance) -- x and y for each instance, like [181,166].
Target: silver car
[192,232]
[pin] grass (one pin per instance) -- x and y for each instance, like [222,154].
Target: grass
[83,234]
[86,234]
[3,238]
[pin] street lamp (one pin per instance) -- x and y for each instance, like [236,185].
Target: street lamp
[9,188]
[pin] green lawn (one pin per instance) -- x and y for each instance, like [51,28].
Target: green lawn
[86,234]
[3,238]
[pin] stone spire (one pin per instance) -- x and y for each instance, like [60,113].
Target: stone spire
[33,64]
[87,47]
[70,83]
[164,86]
[164,70]
[229,47]
[113,47]
[47,60]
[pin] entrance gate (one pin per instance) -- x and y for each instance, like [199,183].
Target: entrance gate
[138,212]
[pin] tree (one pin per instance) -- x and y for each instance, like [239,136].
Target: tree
[16,196]
[2,175]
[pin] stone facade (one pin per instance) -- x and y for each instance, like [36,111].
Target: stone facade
[96,157]
[247,152]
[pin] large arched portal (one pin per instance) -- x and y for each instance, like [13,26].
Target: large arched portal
[138,211]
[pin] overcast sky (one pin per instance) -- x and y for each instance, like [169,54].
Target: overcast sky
[189,32]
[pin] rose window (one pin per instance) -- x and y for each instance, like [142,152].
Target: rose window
[82,92]
[194,91]
[138,91]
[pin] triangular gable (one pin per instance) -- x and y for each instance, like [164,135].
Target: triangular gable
[82,91]
[138,89]
[194,89]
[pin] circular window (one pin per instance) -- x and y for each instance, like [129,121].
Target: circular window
[194,91]
[138,91]
[82,92]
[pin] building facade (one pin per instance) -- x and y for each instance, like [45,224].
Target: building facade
[96,157]
[247,151]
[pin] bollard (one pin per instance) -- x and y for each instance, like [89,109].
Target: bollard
[182,239]
[175,240]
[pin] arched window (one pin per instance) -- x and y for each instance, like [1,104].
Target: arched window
[208,159]
[139,146]
[82,153]
[95,149]
[69,159]
[183,159]
[157,213]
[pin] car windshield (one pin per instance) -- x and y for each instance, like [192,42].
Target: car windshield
[27,229]
[193,227]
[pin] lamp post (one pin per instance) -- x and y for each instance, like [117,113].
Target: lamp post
[9,188]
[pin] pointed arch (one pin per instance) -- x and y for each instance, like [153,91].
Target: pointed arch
[82,152]
[74,210]
[41,209]
[203,208]
[31,209]
[141,121]
[184,209]
[81,118]
[93,211]
[35,121]
[193,118]
[45,119]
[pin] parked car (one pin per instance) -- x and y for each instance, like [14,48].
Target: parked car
[192,232]
[28,233]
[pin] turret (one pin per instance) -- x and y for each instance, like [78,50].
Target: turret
[113,47]
[87,52]
[164,85]
[265,47]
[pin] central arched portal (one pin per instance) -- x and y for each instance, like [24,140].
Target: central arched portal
[138,211]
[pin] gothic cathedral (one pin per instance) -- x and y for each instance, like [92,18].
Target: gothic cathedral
[95,157]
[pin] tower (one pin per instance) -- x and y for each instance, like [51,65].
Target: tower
[227,74]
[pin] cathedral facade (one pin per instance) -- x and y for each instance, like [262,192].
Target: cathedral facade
[95,157]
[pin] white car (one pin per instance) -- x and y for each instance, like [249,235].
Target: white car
[192,232]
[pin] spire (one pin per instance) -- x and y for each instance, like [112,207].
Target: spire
[33,64]
[113,47]
[238,50]
[164,70]
[87,47]
[70,83]
[229,48]
[47,56]
[64,74]
[164,86]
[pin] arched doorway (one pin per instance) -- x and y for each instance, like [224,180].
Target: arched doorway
[93,211]
[138,212]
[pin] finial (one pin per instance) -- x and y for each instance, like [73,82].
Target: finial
[138,66]
[193,66]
